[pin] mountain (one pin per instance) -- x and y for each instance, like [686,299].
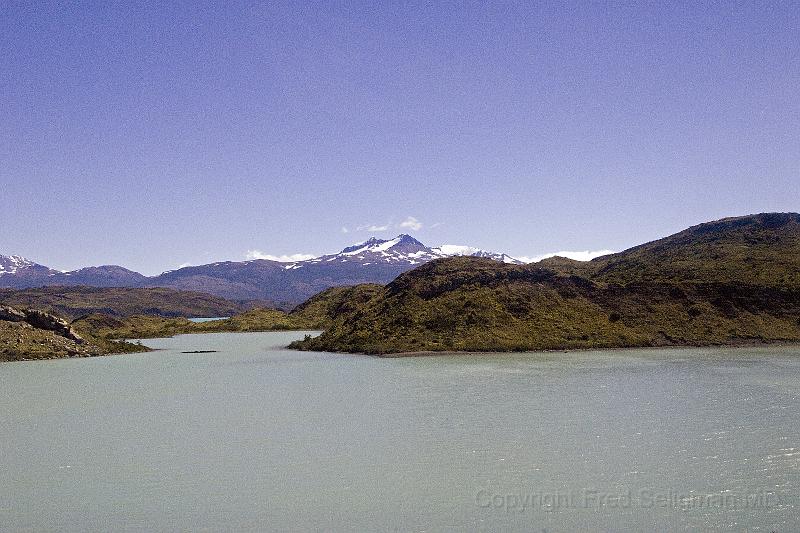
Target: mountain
[403,249]
[22,269]
[248,280]
[19,272]
[373,261]
[10,264]
[102,276]
[287,284]
[276,283]
[735,280]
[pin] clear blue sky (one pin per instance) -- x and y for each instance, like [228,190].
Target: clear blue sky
[188,132]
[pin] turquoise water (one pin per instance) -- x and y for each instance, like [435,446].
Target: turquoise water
[256,437]
[208,319]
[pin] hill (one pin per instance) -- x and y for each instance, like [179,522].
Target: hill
[144,327]
[32,334]
[759,249]
[729,281]
[73,302]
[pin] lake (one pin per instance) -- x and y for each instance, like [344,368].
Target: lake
[256,437]
[208,319]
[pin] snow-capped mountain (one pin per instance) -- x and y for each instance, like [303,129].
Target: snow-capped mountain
[17,265]
[287,283]
[10,264]
[19,272]
[450,250]
[373,261]
[403,249]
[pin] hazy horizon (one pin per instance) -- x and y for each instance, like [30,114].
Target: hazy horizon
[152,136]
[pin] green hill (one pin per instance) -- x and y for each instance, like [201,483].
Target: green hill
[736,280]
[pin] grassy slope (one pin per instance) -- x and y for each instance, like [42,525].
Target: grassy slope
[730,281]
[758,249]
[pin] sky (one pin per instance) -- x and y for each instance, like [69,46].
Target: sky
[158,134]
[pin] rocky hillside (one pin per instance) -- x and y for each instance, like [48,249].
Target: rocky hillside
[730,281]
[27,334]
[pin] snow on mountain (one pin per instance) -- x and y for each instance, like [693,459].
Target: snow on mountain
[402,249]
[11,264]
[455,249]
[292,282]
[19,272]
[450,250]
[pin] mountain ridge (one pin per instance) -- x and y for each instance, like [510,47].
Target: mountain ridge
[285,283]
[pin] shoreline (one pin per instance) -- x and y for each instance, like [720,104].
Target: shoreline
[445,353]
[434,353]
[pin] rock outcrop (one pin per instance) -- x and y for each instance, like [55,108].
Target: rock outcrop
[40,320]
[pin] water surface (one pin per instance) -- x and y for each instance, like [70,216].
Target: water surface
[208,319]
[256,437]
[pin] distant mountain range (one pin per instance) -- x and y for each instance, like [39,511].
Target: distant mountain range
[284,283]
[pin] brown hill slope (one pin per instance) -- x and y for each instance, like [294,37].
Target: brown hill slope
[759,249]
